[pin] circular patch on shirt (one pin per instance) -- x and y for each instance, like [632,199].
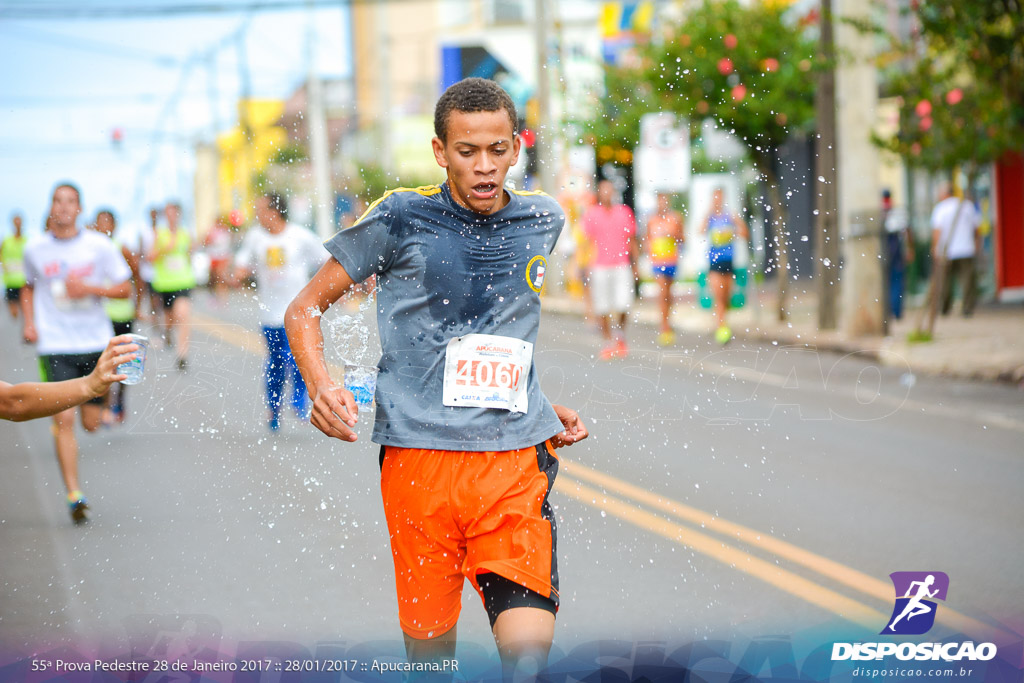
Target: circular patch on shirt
[535,272]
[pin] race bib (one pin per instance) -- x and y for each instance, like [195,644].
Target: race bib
[175,262]
[487,371]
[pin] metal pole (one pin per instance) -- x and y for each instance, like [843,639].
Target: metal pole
[826,243]
[319,155]
[547,130]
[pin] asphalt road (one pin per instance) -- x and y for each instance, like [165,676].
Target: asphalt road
[723,493]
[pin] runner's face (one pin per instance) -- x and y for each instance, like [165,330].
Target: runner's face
[173,214]
[105,224]
[65,209]
[481,148]
[264,214]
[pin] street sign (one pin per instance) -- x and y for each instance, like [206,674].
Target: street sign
[662,161]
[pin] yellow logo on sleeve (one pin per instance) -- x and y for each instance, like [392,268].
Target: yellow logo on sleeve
[535,272]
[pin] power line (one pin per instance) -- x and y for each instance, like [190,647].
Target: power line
[71,11]
[57,39]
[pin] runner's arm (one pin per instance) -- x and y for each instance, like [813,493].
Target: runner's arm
[77,289]
[30,400]
[334,408]
[28,325]
[742,225]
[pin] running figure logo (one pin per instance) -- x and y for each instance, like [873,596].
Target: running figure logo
[914,612]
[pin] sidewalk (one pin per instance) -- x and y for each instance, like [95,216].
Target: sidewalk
[988,346]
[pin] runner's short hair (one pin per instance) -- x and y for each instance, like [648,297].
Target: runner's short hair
[108,212]
[278,203]
[471,95]
[70,186]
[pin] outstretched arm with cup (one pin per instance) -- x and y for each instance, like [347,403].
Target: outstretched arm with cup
[31,400]
[334,408]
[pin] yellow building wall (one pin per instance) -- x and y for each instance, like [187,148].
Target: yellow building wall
[243,156]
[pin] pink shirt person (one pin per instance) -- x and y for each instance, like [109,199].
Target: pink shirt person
[611,229]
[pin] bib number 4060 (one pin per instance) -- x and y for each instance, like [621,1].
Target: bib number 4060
[488,373]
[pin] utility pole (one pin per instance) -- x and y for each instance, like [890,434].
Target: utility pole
[859,194]
[548,131]
[383,85]
[826,243]
[243,110]
[319,155]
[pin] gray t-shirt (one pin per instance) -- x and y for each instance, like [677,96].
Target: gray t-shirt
[444,271]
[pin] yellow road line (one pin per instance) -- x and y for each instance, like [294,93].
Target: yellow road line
[733,558]
[847,576]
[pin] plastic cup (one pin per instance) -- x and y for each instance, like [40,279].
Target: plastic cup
[137,367]
[361,380]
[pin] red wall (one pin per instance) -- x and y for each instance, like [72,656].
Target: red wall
[1009,236]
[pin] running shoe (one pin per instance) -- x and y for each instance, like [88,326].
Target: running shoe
[608,352]
[274,423]
[666,338]
[723,334]
[78,507]
[621,350]
[182,365]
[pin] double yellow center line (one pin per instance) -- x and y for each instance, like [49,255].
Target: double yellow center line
[712,536]
[690,527]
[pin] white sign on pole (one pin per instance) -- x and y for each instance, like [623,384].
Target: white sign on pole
[663,159]
[661,163]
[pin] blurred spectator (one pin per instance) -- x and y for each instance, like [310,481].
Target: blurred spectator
[899,251]
[956,241]
[722,228]
[12,257]
[664,235]
[611,229]
[218,248]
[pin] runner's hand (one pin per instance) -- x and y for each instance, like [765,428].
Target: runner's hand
[335,412]
[119,350]
[76,288]
[574,431]
[30,335]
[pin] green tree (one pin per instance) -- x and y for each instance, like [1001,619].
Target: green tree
[749,68]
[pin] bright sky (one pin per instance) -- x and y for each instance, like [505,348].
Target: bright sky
[66,85]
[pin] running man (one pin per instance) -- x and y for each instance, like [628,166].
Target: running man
[32,400]
[611,228]
[12,256]
[467,436]
[66,274]
[120,311]
[664,235]
[722,227]
[915,607]
[282,255]
[218,248]
[173,280]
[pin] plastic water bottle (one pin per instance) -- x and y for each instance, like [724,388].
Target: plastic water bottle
[135,369]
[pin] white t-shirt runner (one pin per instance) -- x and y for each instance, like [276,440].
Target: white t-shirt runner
[68,325]
[282,263]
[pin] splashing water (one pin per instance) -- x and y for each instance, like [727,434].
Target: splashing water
[348,335]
